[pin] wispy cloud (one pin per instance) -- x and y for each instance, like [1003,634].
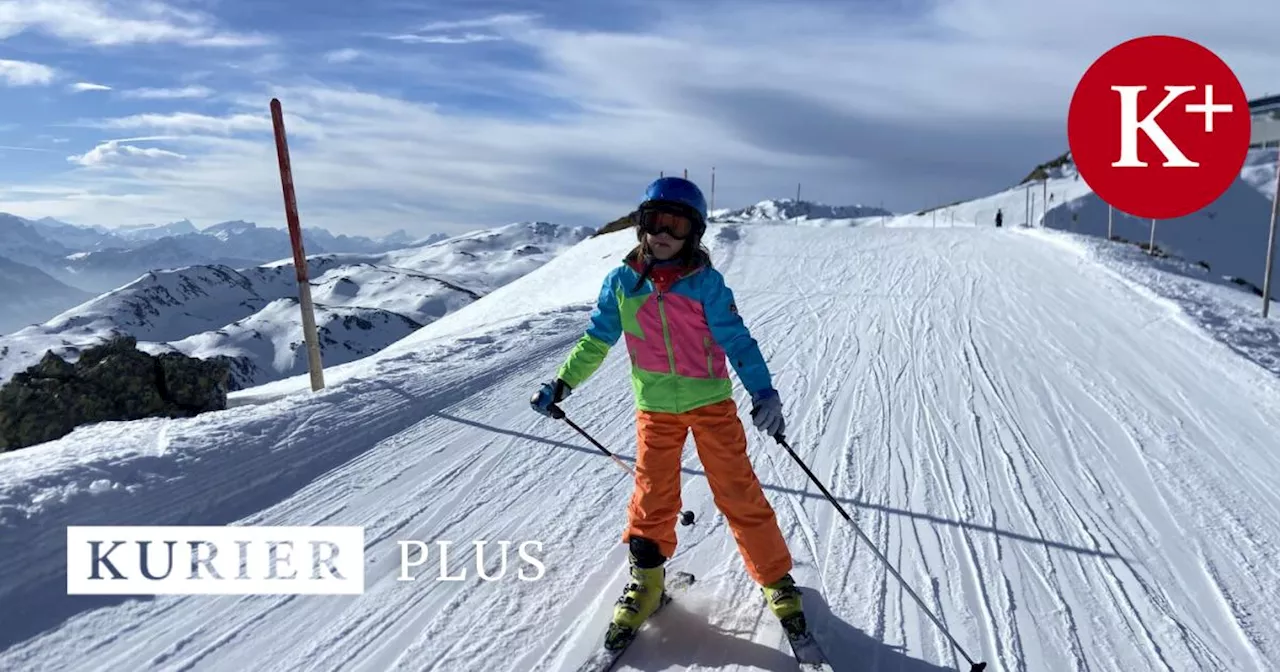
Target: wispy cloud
[168,94]
[24,149]
[118,22]
[444,32]
[342,55]
[79,87]
[859,102]
[25,73]
[492,21]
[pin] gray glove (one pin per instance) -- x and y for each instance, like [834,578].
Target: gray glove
[767,412]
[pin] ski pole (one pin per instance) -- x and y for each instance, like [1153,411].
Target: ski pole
[686,517]
[975,667]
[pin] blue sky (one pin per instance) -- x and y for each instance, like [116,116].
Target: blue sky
[449,116]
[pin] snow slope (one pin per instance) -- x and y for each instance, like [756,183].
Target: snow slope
[1227,238]
[1071,475]
[363,303]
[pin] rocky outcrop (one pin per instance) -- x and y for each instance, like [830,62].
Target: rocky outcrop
[111,381]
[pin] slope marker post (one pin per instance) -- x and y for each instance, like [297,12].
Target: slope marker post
[314,364]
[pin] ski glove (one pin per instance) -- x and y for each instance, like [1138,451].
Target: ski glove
[551,393]
[767,412]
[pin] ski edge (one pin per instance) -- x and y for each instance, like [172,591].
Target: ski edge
[809,655]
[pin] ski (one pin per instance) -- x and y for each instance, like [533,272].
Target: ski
[606,658]
[804,647]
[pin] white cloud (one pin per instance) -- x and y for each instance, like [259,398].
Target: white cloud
[168,94]
[861,105]
[342,55]
[89,86]
[15,148]
[114,153]
[118,22]
[25,73]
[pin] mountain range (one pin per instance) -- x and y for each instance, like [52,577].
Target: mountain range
[209,294]
[60,265]
[249,315]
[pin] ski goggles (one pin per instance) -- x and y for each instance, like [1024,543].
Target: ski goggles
[671,221]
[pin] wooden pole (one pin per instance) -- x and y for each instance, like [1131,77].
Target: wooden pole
[314,364]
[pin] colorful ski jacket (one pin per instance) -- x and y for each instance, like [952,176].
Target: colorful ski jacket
[680,324]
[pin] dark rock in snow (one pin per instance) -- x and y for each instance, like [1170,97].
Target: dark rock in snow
[111,381]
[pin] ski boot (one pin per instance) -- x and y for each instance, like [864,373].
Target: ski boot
[642,595]
[783,598]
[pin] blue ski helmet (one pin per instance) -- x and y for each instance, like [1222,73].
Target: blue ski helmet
[681,195]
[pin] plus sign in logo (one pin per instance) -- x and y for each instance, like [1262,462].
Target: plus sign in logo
[1159,127]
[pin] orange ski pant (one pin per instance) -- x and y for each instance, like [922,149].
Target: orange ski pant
[722,446]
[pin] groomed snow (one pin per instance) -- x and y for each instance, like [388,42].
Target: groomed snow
[1072,474]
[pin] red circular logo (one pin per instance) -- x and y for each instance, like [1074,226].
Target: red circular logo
[1159,127]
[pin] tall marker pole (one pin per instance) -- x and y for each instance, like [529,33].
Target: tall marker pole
[1271,242]
[1045,200]
[299,256]
[1026,201]
[713,188]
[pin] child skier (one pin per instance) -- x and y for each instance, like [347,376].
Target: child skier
[680,322]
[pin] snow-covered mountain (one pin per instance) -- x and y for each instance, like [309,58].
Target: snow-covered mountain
[31,295]
[97,259]
[250,316]
[156,231]
[71,236]
[21,239]
[785,209]
[117,266]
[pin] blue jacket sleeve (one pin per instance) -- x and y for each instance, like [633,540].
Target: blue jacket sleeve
[731,333]
[604,331]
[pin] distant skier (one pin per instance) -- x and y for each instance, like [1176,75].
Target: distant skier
[999,218]
[680,321]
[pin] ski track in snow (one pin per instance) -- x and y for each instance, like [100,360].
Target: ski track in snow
[1068,480]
